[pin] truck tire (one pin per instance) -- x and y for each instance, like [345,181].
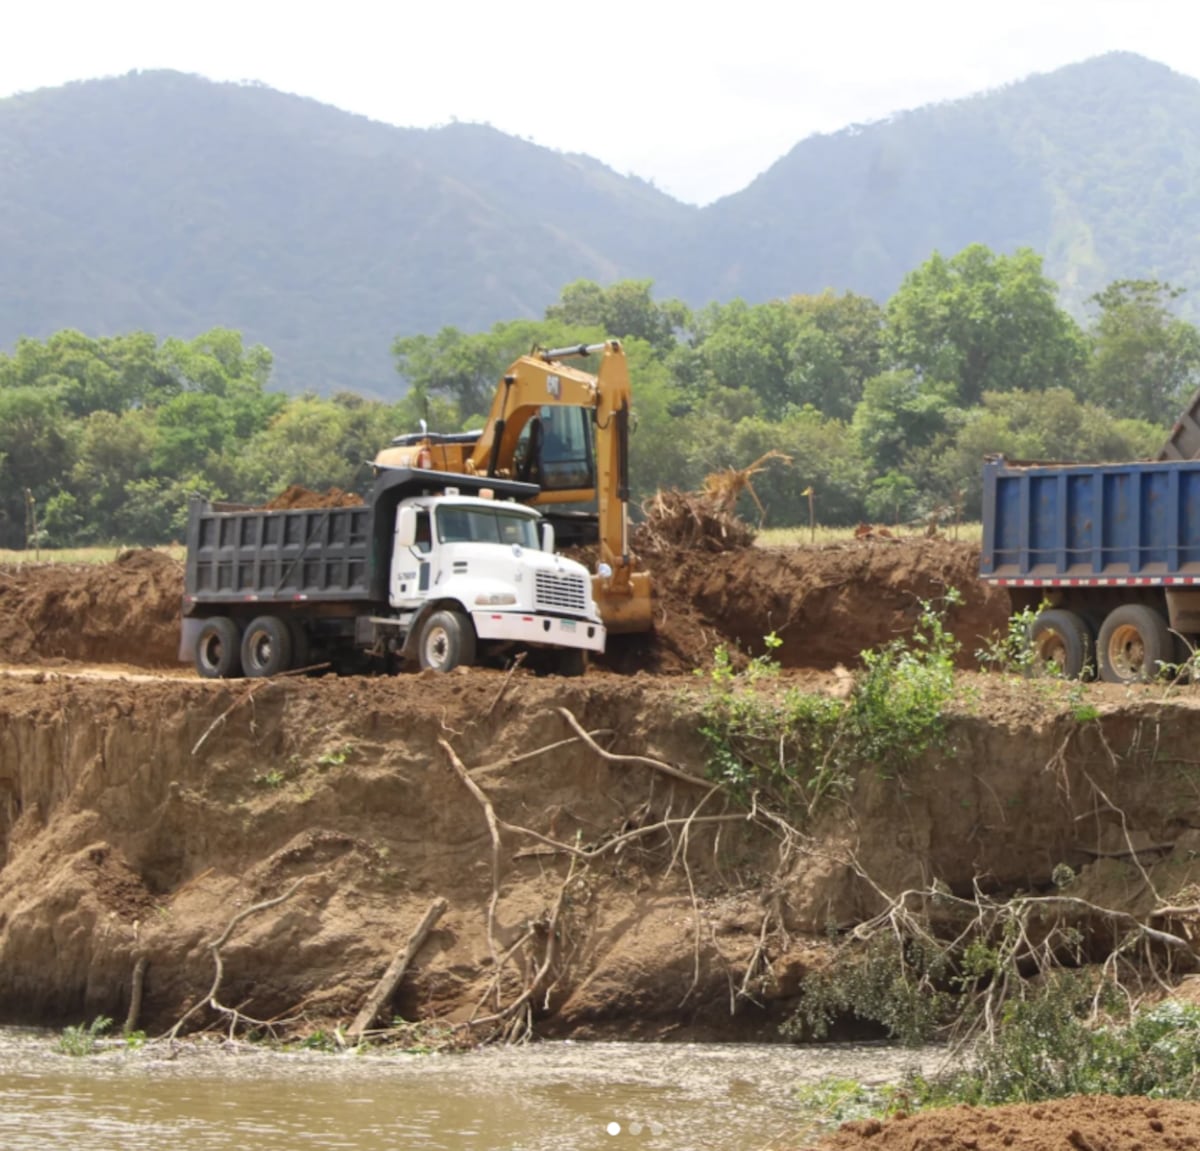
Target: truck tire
[1061,639]
[572,661]
[218,653]
[1133,645]
[266,647]
[447,641]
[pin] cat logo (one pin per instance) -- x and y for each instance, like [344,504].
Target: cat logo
[554,386]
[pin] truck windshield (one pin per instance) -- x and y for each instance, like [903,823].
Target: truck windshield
[485,525]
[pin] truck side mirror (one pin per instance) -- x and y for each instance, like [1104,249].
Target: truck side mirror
[406,527]
[547,537]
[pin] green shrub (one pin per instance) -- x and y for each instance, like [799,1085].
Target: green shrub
[83,1040]
[799,748]
[898,986]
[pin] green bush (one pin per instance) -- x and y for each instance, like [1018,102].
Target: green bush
[80,1040]
[798,749]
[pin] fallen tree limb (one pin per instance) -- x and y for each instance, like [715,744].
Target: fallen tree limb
[493,829]
[390,979]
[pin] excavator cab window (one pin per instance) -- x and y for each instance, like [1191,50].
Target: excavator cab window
[557,443]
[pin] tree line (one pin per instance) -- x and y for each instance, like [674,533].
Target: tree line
[886,410]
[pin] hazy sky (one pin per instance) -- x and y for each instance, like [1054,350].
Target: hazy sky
[699,98]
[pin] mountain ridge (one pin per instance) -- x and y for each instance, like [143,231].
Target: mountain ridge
[166,202]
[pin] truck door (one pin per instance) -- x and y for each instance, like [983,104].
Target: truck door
[422,548]
[410,564]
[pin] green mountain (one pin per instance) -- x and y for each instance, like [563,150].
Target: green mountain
[166,202]
[169,203]
[1095,166]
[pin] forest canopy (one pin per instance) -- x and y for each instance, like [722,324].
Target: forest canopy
[886,410]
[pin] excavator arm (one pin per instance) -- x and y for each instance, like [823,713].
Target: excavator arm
[545,380]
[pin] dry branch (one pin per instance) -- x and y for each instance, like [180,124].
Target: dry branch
[245,697]
[390,979]
[611,757]
[493,829]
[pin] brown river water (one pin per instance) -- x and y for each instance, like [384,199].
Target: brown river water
[577,1096]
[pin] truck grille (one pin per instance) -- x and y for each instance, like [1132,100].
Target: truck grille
[561,592]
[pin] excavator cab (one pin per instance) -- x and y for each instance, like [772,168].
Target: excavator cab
[555,450]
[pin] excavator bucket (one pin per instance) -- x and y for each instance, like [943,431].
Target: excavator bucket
[625,610]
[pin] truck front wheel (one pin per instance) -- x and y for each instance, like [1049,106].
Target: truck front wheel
[1133,645]
[218,649]
[572,661]
[447,641]
[266,647]
[1061,640]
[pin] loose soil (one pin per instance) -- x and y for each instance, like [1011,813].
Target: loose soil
[1092,1123]
[826,604]
[142,810]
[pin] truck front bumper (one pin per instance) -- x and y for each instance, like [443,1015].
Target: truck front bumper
[527,627]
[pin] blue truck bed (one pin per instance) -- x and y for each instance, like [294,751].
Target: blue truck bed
[1100,524]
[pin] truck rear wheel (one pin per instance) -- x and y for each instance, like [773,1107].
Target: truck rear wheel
[1061,639]
[447,641]
[218,653]
[266,647]
[1134,644]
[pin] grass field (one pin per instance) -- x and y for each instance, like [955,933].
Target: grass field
[768,537]
[805,537]
[96,555]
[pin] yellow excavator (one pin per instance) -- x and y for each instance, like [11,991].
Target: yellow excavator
[567,431]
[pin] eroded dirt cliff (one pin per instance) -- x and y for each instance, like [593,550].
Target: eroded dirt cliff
[587,863]
[137,819]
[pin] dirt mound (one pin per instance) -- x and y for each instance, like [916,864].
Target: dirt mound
[826,604]
[126,611]
[1084,1123]
[298,497]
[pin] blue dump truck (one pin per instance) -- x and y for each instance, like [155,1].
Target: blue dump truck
[1109,553]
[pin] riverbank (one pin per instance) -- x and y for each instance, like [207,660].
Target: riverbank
[595,884]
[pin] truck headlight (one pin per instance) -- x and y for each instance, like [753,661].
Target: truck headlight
[495,598]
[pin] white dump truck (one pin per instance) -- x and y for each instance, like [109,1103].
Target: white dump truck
[435,569]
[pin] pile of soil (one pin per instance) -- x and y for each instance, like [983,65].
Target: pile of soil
[127,611]
[296,497]
[1083,1123]
[827,605]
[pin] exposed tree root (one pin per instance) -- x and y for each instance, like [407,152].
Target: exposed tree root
[233,1015]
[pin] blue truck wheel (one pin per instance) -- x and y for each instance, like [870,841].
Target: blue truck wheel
[1134,644]
[1061,639]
